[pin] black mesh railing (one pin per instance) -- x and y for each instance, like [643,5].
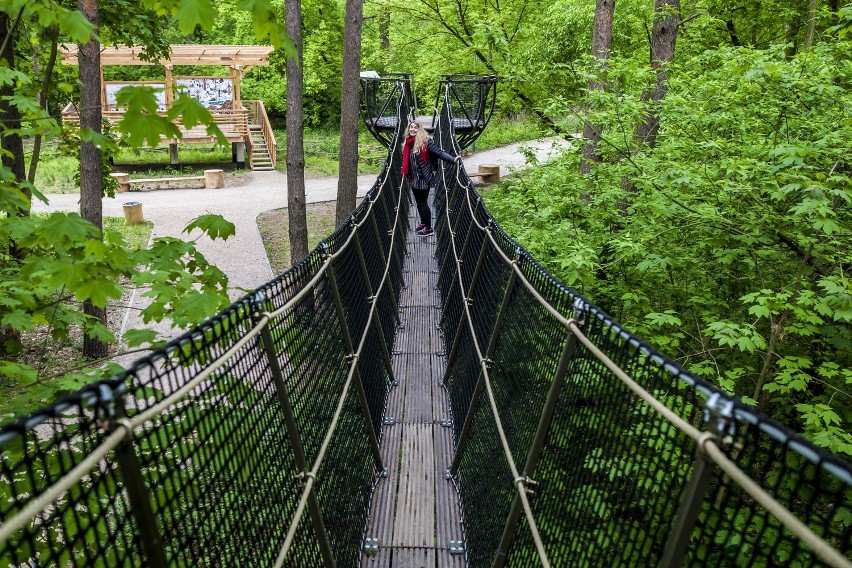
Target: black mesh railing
[561,457]
[248,441]
[252,440]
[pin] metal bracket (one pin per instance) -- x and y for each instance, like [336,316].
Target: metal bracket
[719,415]
[435,271]
[396,352]
[401,306]
[456,547]
[447,474]
[371,545]
[441,353]
[395,383]
[388,421]
[401,326]
[384,473]
[447,423]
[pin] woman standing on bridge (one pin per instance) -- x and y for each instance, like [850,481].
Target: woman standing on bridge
[417,168]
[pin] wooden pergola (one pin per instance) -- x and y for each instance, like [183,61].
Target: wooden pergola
[239,59]
[235,120]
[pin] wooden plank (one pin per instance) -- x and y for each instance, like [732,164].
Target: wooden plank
[418,392]
[415,513]
[154,180]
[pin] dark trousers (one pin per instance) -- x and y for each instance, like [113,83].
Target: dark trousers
[421,197]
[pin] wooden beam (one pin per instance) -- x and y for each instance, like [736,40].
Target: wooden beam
[225,55]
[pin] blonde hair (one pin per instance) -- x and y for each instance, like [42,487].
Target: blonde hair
[421,138]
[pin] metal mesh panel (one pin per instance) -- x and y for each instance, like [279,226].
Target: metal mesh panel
[90,523]
[229,419]
[610,475]
[235,410]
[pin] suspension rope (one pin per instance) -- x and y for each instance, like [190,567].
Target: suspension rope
[707,442]
[312,474]
[518,480]
[38,505]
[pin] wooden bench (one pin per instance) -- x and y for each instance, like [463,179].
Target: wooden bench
[213,179]
[488,173]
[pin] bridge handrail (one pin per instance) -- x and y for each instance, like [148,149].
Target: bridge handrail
[710,443]
[257,328]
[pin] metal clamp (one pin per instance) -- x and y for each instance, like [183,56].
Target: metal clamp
[456,547]
[448,423]
[719,415]
[371,546]
[388,421]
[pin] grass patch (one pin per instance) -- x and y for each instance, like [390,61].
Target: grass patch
[322,150]
[274,227]
[189,153]
[136,236]
[57,174]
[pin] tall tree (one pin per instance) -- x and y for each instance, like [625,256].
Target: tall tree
[298,228]
[601,43]
[13,148]
[347,183]
[663,39]
[91,195]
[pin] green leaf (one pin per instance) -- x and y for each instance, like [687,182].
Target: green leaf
[137,337]
[215,226]
[192,13]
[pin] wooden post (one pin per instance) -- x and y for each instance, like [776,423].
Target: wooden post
[237,103]
[214,179]
[490,173]
[123,181]
[169,87]
[133,213]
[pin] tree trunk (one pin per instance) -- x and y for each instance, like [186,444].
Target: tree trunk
[347,183]
[298,227]
[812,15]
[601,43]
[12,145]
[384,30]
[663,39]
[91,206]
[53,37]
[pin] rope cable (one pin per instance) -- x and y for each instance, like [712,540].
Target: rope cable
[312,474]
[797,527]
[518,479]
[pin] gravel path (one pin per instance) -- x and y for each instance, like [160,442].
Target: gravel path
[242,257]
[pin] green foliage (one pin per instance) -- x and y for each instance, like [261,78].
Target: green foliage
[732,251]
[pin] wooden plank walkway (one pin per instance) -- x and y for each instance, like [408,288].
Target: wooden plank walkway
[414,514]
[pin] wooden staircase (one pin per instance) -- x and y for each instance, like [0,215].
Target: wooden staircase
[261,161]
[260,141]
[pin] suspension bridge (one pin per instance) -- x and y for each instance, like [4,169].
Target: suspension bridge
[437,402]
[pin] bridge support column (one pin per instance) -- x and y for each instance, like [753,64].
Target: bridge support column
[687,513]
[480,381]
[238,153]
[511,527]
[298,450]
[359,385]
[720,415]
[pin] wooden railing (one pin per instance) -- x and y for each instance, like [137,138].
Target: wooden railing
[232,123]
[260,117]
